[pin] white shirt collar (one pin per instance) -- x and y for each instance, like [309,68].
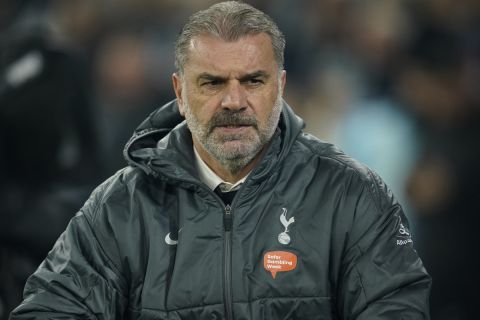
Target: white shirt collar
[211,179]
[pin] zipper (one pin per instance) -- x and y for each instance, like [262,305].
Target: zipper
[227,218]
[227,263]
[227,257]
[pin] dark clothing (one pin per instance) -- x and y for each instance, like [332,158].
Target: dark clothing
[227,197]
[311,234]
[48,161]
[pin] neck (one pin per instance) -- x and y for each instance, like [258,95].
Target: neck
[223,172]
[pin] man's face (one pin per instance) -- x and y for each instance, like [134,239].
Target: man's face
[230,94]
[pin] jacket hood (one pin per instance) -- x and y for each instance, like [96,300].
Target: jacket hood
[163,142]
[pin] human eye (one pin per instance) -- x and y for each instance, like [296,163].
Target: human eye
[254,82]
[211,82]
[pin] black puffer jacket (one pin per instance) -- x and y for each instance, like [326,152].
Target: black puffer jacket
[314,235]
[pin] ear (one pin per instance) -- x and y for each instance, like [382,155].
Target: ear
[177,87]
[283,80]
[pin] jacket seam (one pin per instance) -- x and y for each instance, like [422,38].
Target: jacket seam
[362,178]
[247,301]
[360,280]
[102,195]
[90,219]
[367,186]
[321,156]
[287,297]
[110,260]
[375,186]
[111,263]
[178,309]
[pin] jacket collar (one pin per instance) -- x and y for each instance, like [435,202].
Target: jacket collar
[162,144]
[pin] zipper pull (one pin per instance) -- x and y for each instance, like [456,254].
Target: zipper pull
[227,218]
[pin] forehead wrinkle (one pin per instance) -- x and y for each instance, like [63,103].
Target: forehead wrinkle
[205,49]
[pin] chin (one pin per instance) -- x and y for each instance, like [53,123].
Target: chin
[239,149]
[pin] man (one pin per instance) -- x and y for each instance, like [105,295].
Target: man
[235,214]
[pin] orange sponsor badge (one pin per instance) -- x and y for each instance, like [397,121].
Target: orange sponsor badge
[279,261]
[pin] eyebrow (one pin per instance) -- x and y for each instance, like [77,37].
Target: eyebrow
[253,75]
[210,77]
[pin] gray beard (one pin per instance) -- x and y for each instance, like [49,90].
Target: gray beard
[237,158]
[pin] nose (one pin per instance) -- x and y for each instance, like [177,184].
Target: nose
[234,97]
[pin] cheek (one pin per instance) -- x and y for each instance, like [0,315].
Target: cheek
[264,104]
[199,111]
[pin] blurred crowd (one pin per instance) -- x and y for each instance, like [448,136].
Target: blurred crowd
[393,83]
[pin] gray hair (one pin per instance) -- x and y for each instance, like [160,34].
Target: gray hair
[229,21]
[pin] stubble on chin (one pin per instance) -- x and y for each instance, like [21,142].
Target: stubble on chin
[233,152]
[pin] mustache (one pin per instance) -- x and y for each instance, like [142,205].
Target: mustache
[232,118]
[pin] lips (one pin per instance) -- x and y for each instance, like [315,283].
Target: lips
[234,123]
[233,128]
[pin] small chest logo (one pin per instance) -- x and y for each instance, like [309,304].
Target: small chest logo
[403,236]
[283,237]
[172,241]
[279,261]
[403,231]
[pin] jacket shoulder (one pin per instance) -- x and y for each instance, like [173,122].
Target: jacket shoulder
[331,158]
[116,188]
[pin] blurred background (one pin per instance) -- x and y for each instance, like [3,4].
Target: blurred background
[393,83]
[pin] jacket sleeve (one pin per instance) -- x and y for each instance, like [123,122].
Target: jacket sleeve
[382,275]
[78,279]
